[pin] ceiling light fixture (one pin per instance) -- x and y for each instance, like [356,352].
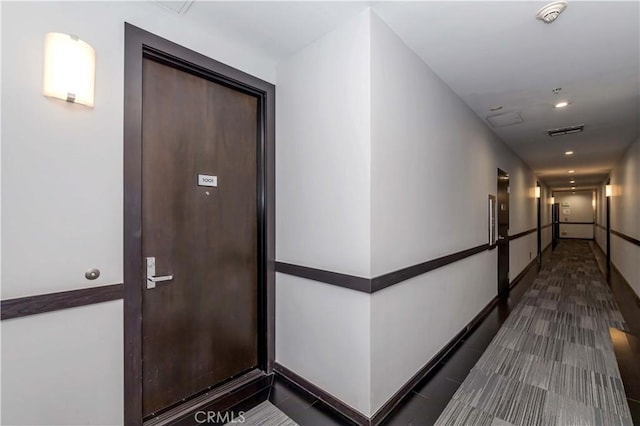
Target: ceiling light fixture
[562,104]
[556,90]
[550,12]
[568,153]
[572,181]
[496,108]
[572,171]
[573,187]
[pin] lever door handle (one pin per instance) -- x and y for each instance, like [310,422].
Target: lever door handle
[160,279]
[500,237]
[152,279]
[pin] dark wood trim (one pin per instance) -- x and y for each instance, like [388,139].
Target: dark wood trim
[39,304]
[576,238]
[307,387]
[404,274]
[577,223]
[548,225]
[522,234]
[139,44]
[341,280]
[371,285]
[601,227]
[406,390]
[626,237]
[615,270]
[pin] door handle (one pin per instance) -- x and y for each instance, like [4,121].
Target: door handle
[152,279]
[500,237]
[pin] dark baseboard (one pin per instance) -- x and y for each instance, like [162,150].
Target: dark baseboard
[526,269]
[307,387]
[405,391]
[575,238]
[615,270]
[32,305]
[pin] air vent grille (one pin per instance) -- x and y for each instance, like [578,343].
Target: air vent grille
[566,130]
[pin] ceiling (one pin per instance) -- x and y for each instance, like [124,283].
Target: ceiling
[492,54]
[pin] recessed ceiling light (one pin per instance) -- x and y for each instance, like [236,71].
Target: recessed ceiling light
[572,171]
[573,187]
[572,181]
[562,104]
[568,153]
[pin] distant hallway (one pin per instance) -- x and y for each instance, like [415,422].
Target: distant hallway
[552,361]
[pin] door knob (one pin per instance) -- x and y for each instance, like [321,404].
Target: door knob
[152,279]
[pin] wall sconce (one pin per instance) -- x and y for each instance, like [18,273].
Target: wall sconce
[69,69]
[553,200]
[537,192]
[608,190]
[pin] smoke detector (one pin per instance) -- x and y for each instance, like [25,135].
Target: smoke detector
[550,12]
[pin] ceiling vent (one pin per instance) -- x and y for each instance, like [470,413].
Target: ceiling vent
[179,7]
[506,119]
[550,12]
[566,130]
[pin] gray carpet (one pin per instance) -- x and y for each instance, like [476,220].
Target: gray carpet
[552,362]
[265,414]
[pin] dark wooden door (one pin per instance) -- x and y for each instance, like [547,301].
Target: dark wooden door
[199,328]
[503,233]
[555,217]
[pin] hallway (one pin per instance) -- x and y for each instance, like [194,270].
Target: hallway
[551,360]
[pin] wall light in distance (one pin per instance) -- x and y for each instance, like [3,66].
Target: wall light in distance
[69,69]
[553,200]
[608,190]
[537,192]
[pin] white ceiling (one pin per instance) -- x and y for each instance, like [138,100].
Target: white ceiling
[492,54]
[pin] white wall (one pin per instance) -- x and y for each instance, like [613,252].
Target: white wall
[61,368]
[625,215]
[62,203]
[323,210]
[323,153]
[433,165]
[580,209]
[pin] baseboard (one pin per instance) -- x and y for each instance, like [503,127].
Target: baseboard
[615,270]
[576,238]
[307,387]
[384,411]
[626,283]
[524,272]
[405,391]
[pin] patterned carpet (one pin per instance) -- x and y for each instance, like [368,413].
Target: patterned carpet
[552,362]
[265,414]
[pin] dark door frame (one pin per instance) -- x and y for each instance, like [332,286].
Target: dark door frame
[539,227]
[608,201]
[503,240]
[139,44]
